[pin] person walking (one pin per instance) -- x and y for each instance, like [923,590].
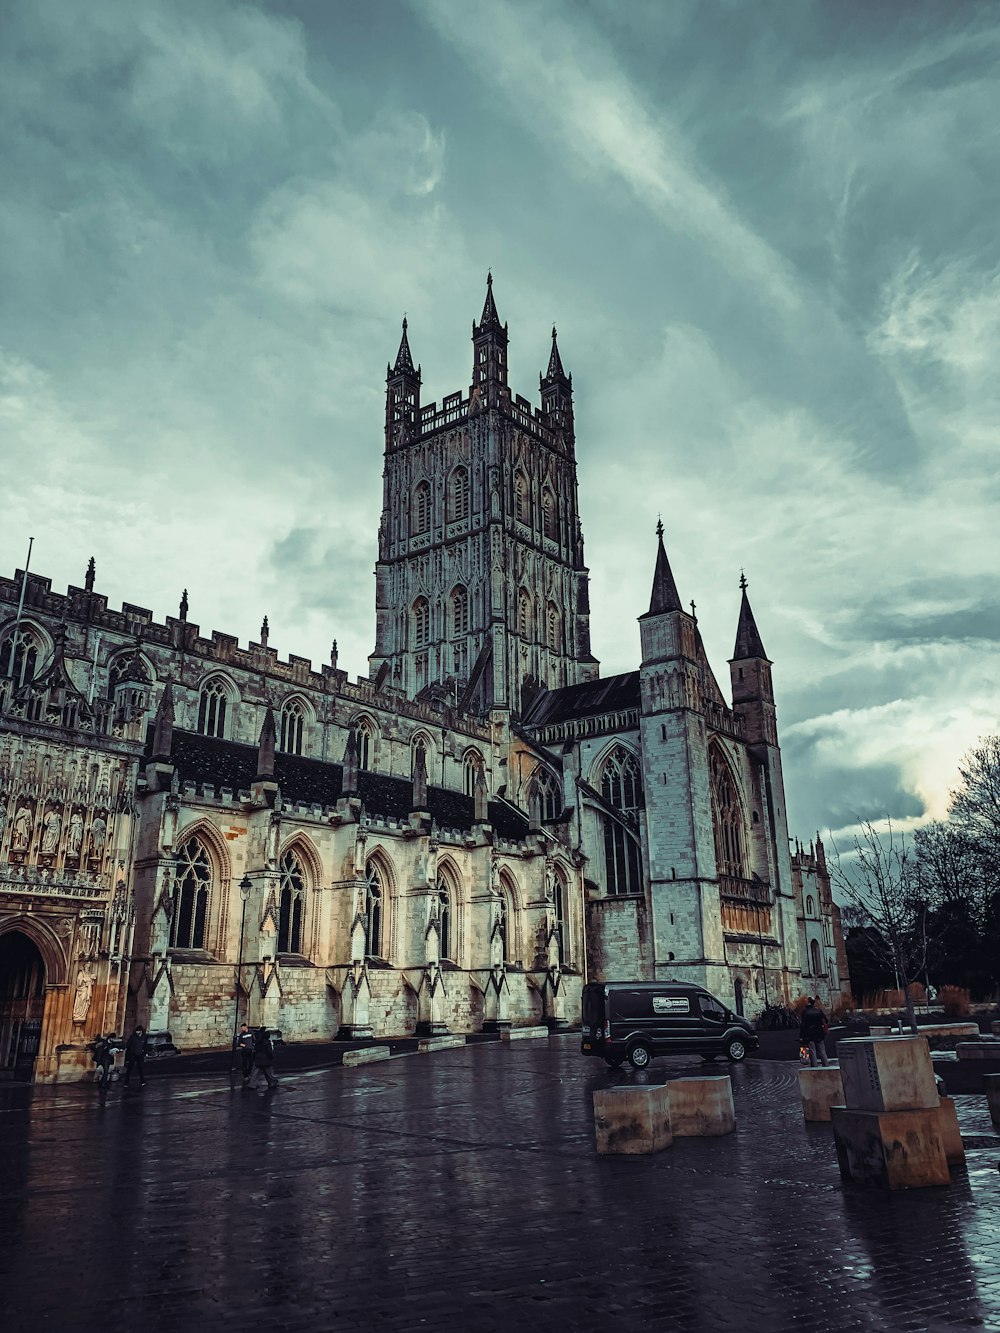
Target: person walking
[263,1059]
[104,1057]
[244,1045]
[813,1030]
[135,1055]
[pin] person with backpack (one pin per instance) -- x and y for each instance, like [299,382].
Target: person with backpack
[812,1032]
[263,1059]
[104,1057]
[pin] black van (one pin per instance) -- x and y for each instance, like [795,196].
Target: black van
[637,1020]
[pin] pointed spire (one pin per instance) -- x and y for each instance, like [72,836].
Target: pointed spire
[664,596]
[748,642]
[265,747]
[163,724]
[88,582]
[490,316]
[404,361]
[555,360]
[264,632]
[349,778]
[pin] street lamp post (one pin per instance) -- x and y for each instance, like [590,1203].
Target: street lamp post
[246,888]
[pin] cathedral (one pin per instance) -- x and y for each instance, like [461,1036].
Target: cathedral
[195,833]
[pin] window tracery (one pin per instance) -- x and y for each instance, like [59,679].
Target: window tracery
[621,787]
[421,623]
[19,654]
[421,512]
[212,708]
[374,898]
[458,495]
[459,610]
[470,771]
[293,717]
[727,819]
[192,885]
[291,902]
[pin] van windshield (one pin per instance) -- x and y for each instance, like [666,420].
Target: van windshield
[593,1005]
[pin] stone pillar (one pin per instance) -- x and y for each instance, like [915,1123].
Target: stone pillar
[891,1132]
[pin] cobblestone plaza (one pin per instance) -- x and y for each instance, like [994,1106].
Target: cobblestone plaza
[461,1190]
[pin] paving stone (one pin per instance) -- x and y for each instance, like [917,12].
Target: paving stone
[463,1191]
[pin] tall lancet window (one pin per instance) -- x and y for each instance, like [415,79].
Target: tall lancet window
[192,885]
[292,726]
[727,819]
[373,907]
[421,623]
[458,495]
[621,787]
[421,515]
[19,653]
[459,611]
[293,889]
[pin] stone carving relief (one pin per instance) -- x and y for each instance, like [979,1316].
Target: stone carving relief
[51,828]
[85,981]
[21,835]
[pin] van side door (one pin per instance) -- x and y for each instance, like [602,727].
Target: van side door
[714,1020]
[678,1023]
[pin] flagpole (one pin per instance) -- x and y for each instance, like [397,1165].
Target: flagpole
[20,611]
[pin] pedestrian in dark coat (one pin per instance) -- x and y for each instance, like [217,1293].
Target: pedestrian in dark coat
[104,1057]
[263,1059]
[813,1030]
[244,1044]
[135,1055]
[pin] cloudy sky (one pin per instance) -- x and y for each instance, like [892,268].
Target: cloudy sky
[767,233]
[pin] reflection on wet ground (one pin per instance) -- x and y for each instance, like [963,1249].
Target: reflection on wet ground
[461,1190]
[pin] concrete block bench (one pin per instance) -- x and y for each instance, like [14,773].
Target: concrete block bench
[521,1034]
[891,1149]
[984,1049]
[951,1135]
[701,1107]
[634,1118]
[991,1082]
[820,1088]
[445,1042]
[930,1030]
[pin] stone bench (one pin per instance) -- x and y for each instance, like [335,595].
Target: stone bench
[445,1042]
[991,1082]
[701,1107]
[366,1055]
[820,1088]
[930,1030]
[520,1034]
[984,1049]
[951,1135]
[891,1149]
[633,1118]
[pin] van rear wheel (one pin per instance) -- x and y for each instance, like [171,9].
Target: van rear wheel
[639,1056]
[614,1061]
[736,1050]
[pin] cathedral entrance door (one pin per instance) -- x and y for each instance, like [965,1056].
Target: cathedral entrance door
[22,1004]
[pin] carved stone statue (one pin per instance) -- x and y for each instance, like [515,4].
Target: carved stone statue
[22,829]
[84,993]
[98,835]
[51,828]
[74,835]
[3,819]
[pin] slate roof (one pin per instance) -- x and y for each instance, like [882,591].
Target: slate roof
[609,694]
[206,759]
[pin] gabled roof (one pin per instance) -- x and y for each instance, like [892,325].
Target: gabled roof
[610,694]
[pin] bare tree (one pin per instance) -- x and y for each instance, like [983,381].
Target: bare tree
[975,802]
[876,878]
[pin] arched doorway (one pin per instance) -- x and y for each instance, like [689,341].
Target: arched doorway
[22,1004]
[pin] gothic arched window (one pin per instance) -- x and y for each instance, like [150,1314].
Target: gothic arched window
[621,787]
[459,611]
[421,623]
[444,918]
[458,495]
[470,771]
[19,654]
[817,961]
[293,892]
[524,614]
[374,902]
[192,885]
[421,515]
[521,498]
[727,819]
[126,667]
[212,708]
[549,525]
[293,717]
[810,907]
[366,741]
[553,626]
[549,793]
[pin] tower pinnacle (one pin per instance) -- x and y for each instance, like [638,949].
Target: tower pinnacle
[664,596]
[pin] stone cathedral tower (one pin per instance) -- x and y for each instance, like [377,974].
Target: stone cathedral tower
[481,586]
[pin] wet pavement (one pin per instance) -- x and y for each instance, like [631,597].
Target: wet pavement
[461,1191]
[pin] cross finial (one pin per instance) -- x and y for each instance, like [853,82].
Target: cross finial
[659,527]
[743,580]
[693,608]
